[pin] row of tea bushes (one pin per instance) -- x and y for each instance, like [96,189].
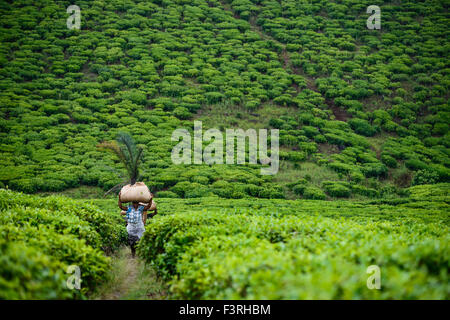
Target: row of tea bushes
[41,237]
[278,249]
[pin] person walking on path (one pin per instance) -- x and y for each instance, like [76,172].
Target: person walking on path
[136,216]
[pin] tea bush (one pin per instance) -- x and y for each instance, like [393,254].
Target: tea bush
[368,108]
[337,189]
[278,249]
[80,218]
[53,233]
[27,273]
[311,192]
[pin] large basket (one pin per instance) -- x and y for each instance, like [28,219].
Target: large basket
[137,192]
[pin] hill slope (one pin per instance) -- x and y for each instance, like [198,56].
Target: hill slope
[361,113]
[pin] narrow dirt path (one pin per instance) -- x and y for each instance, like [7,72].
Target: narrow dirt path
[130,278]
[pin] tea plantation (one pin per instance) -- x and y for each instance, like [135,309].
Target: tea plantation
[278,249]
[41,237]
[235,249]
[362,113]
[363,119]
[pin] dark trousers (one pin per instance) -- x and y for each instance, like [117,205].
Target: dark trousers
[132,241]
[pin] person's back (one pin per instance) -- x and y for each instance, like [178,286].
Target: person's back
[136,216]
[135,225]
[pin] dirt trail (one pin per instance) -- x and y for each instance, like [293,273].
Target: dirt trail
[130,278]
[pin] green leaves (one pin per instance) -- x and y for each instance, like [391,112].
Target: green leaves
[128,153]
[260,249]
[149,68]
[41,237]
[28,273]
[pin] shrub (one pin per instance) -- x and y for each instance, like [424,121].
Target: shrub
[181,188]
[64,248]
[111,234]
[253,190]
[227,192]
[368,192]
[255,252]
[374,169]
[415,164]
[440,128]
[320,138]
[182,113]
[27,273]
[443,172]
[252,104]
[197,190]
[425,176]
[214,97]
[200,179]
[166,194]
[336,189]
[356,175]
[294,156]
[276,123]
[388,160]
[69,231]
[340,167]
[313,193]
[25,184]
[271,193]
[362,127]
[299,189]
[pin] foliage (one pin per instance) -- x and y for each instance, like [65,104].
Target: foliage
[336,189]
[362,114]
[53,233]
[130,155]
[312,70]
[313,193]
[261,249]
[27,273]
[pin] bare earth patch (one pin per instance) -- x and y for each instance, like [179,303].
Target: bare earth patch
[131,279]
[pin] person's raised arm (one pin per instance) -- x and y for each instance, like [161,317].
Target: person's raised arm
[120,204]
[149,204]
[155,212]
[144,217]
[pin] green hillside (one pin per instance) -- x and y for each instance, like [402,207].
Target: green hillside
[362,113]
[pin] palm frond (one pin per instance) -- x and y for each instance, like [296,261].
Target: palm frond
[116,187]
[127,151]
[114,147]
[126,140]
[136,164]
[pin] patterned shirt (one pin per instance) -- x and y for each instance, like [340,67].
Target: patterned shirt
[134,216]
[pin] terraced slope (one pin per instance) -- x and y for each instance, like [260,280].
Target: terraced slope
[361,113]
